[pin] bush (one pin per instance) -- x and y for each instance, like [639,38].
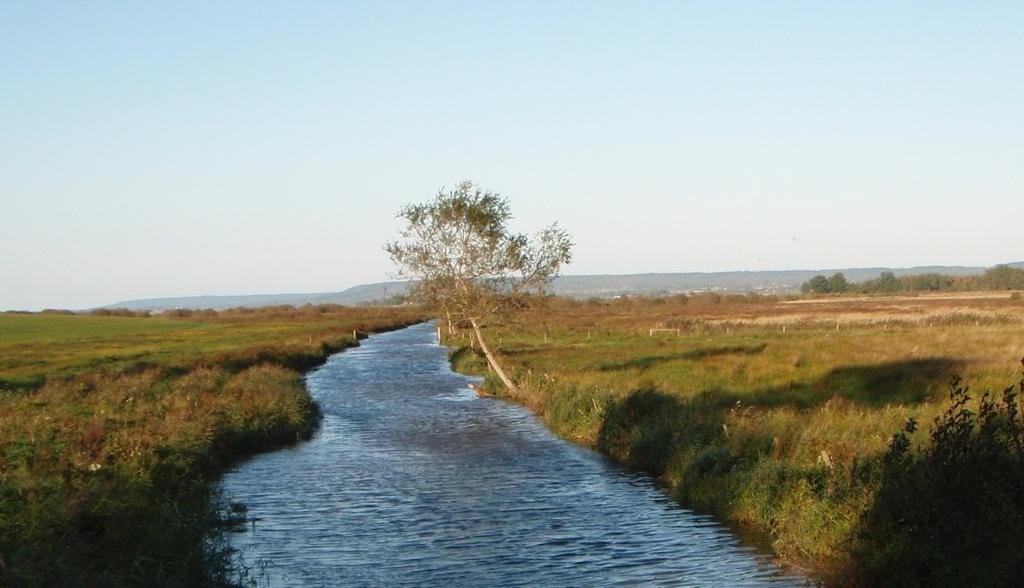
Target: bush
[950,514]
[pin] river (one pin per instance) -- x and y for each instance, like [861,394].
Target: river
[414,481]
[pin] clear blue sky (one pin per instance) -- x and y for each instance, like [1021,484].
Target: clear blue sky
[216,147]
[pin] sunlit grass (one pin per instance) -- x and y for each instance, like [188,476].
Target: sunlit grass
[113,429]
[771,414]
[36,347]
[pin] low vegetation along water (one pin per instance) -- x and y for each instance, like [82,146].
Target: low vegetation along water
[412,479]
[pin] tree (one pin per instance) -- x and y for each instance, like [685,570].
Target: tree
[888,282]
[837,283]
[818,284]
[466,264]
[1003,277]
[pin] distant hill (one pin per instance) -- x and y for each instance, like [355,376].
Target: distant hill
[602,286]
[356,295]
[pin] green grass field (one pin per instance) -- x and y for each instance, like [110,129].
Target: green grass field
[775,415]
[34,347]
[763,412]
[113,430]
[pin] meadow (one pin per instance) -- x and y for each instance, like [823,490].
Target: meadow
[114,429]
[778,415]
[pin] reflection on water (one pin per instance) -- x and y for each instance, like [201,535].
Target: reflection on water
[412,480]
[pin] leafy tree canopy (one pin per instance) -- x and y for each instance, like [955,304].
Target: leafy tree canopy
[467,264]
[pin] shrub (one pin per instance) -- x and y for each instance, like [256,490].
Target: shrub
[950,514]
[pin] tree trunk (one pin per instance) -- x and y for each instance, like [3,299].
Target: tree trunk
[491,361]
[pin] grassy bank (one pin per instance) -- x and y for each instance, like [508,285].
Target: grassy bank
[113,431]
[775,415]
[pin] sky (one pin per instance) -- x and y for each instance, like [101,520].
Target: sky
[168,149]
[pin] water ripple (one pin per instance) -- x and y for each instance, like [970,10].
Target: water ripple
[414,481]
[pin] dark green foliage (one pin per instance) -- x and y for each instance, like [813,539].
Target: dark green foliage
[837,283]
[951,513]
[116,531]
[1000,277]
[819,284]
[640,430]
[647,428]
[122,312]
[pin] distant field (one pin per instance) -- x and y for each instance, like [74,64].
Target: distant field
[113,429]
[763,411]
[880,351]
[34,347]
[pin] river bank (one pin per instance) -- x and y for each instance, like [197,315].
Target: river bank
[113,445]
[770,421]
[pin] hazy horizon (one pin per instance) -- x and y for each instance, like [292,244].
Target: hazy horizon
[400,280]
[203,149]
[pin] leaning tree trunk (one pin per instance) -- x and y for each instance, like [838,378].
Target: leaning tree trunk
[491,359]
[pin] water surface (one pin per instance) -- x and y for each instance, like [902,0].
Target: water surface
[412,480]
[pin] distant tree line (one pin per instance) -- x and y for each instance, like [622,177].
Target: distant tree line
[122,312]
[1000,277]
